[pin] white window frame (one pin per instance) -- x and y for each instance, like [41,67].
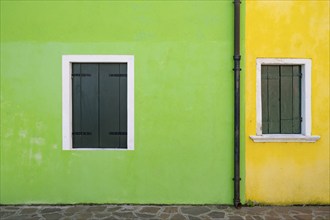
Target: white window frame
[305,136]
[67,61]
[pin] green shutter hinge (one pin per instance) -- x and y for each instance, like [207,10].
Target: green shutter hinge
[118,75]
[301,119]
[81,74]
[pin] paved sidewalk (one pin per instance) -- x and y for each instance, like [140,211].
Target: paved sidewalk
[83,212]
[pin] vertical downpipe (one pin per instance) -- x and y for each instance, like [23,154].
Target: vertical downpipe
[237,69]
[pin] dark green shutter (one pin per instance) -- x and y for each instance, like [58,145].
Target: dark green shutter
[113,96]
[99,105]
[85,105]
[109,109]
[286,99]
[281,95]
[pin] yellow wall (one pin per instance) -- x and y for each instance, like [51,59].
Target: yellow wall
[289,173]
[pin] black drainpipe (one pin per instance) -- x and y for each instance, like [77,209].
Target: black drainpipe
[237,69]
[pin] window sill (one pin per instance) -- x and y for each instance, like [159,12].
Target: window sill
[98,149]
[284,138]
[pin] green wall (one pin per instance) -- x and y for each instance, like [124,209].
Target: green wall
[183,102]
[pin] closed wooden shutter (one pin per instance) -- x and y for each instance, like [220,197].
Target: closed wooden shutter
[99,105]
[281,99]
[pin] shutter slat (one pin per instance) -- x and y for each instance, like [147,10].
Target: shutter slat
[273,99]
[286,99]
[264,99]
[123,105]
[76,113]
[296,103]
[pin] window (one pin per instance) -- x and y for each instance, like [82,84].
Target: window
[98,102]
[280,99]
[284,101]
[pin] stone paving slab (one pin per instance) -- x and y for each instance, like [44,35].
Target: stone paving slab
[160,212]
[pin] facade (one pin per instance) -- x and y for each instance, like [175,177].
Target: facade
[294,172]
[183,102]
[177,61]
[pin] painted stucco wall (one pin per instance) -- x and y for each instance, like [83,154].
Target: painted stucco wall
[289,173]
[183,102]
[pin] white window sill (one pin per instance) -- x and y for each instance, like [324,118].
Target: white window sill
[98,149]
[284,138]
